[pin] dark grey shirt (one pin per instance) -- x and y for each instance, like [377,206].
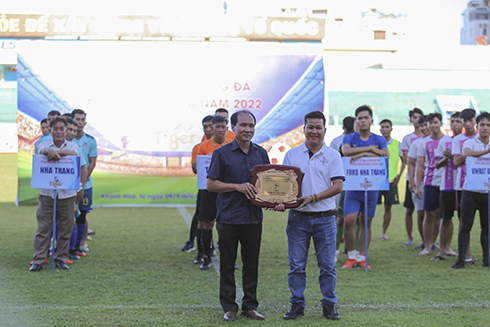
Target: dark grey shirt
[229,164]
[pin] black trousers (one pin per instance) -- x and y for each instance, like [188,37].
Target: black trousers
[470,202]
[249,236]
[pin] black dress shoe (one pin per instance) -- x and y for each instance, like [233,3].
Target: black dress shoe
[35,267]
[62,265]
[252,314]
[330,312]
[296,310]
[229,316]
[459,264]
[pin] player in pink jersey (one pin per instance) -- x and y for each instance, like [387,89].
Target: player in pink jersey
[407,141]
[447,196]
[431,176]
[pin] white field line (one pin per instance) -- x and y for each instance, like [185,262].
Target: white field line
[378,306]
[188,218]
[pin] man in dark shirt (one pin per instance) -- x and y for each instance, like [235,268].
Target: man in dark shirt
[229,176]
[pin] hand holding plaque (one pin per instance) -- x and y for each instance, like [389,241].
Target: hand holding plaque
[276,184]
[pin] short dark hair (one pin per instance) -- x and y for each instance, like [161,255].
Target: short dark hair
[422,119]
[234,117]
[54,113]
[45,120]
[348,123]
[386,121]
[434,115]
[71,121]
[457,114]
[468,114]
[56,120]
[67,114]
[219,119]
[221,110]
[482,115]
[364,108]
[207,118]
[415,111]
[315,114]
[78,111]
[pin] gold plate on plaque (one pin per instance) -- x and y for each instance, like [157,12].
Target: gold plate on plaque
[276,184]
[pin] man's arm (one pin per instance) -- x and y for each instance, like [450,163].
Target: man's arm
[83,179]
[93,163]
[54,155]
[420,175]
[411,174]
[334,189]
[214,185]
[441,162]
[397,178]
[468,152]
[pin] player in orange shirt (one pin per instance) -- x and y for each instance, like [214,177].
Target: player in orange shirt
[207,200]
[207,127]
[228,134]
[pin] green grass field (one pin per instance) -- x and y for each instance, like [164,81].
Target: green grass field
[136,275]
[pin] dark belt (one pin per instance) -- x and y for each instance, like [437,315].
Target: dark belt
[316,214]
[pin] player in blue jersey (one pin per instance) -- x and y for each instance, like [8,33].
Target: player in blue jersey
[88,147]
[362,143]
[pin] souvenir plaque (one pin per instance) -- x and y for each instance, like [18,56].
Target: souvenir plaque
[276,184]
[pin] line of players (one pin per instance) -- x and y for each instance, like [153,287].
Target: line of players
[70,126]
[434,190]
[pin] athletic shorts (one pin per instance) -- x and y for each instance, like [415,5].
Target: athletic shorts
[340,203]
[431,197]
[355,201]
[447,203]
[418,204]
[391,196]
[86,204]
[408,198]
[207,206]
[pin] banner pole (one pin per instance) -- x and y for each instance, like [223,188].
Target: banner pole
[54,231]
[366,225]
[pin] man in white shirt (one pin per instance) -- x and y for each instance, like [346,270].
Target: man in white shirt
[405,146]
[65,204]
[475,200]
[315,217]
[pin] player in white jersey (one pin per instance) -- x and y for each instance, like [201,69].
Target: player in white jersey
[447,195]
[426,160]
[469,123]
[407,141]
[412,185]
[475,200]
